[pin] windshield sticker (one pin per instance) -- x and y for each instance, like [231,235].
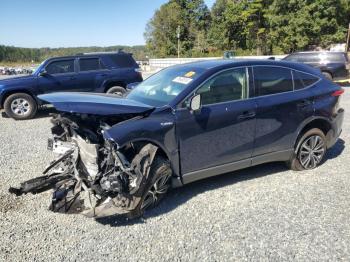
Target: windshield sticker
[190,74]
[182,80]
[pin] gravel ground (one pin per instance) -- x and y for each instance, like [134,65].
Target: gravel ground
[261,213]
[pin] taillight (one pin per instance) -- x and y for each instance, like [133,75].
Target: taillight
[139,71]
[338,92]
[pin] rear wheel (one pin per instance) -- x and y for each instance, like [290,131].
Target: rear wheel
[20,106]
[328,75]
[311,150]
[116,90]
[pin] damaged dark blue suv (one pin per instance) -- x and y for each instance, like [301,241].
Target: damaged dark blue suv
[185,123]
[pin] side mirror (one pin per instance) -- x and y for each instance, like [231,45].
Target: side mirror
[195,103]
[43,73]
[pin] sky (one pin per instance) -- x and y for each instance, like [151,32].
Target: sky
[69,23]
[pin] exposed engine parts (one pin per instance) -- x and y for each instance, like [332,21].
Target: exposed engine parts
[92,176]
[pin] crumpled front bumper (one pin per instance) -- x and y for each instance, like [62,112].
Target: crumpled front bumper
[75,194]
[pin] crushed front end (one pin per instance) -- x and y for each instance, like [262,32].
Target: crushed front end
[91,175]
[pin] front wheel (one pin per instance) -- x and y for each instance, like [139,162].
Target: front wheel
[158,185]
[20,106]
[311,150]
[116,90]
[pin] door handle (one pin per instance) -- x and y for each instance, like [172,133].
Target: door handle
[247,115]
[304,103]
[72,78]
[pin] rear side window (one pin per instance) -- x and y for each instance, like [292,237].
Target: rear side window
[272,80]
[89,64]
[293,58]
[302,80]
[303,58]
[310,58]
[336,57]
[60,67]
[123,60]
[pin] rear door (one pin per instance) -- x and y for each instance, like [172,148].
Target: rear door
[284,102]
[60,76]
[91,74]
[223,131]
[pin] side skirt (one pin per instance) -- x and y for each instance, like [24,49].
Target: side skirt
[230,167]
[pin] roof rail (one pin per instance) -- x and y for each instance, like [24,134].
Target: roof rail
[102,52]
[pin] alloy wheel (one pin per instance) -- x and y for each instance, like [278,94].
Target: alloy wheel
[159,188]
[118,93]
[20,106]
[311,152]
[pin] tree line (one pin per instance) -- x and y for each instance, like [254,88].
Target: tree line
[35,55]
[246,26]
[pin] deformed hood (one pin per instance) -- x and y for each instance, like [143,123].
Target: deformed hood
[17,80]
[96,104]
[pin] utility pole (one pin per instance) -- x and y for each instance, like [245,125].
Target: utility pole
[178,41]
[348,40]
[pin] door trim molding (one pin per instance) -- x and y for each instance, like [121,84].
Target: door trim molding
[190,177]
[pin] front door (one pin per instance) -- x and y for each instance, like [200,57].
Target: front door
[60,76]
[223,131]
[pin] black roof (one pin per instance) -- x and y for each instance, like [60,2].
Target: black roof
[224,63]
[90,54]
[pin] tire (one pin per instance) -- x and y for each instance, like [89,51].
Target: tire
[160,176]
[116,90]
[311,148]
[328,75]
[20,106]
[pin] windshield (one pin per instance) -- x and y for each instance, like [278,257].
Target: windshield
[161,88]
[36,70]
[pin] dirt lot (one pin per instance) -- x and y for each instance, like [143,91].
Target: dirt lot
[261,213]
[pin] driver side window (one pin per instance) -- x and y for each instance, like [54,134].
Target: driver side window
[60,67]
[229,85]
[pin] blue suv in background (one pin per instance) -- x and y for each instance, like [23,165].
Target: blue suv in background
[91,72]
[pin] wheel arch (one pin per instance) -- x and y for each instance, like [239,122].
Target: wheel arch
[108,84]
[161,151]
[328,72]
[16,91]
[319,122]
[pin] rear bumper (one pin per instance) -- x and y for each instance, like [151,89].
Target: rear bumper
[337,123]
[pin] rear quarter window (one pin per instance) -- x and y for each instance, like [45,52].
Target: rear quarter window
[336,57]
[123,60]
[303,80]
[272,80]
